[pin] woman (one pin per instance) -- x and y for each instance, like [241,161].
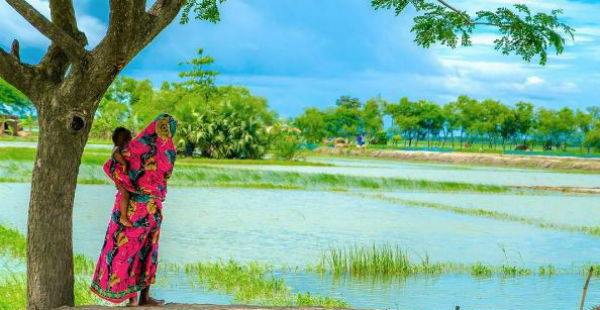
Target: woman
[129,256]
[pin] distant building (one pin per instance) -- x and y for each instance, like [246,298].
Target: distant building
[10,124]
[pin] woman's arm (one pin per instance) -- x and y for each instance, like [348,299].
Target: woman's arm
[119,158]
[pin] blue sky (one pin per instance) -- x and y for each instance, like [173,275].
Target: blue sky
[303,53]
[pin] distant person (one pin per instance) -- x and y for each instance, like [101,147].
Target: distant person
[129,257]
[121,138]
[360,141]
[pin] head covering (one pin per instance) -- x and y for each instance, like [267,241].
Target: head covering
[150,157]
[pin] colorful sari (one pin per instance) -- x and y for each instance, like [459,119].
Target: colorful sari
[129,256]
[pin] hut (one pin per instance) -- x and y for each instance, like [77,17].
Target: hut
[10,124]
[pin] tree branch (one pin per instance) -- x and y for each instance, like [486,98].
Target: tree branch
[66,42]
[21,76]
[462,15]
[55,61]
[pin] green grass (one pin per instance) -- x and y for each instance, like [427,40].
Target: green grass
[12,243]
[13,291]
[393,261]
[590,230]
[94,156]
[254,283]
[249,283]
[16,165]
[210,176]
[376,260]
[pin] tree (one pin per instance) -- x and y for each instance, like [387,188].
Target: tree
[371,118]
[451,114]
[67,85]
[584,123]
[592,139]
[312,125]
[406,117]
[12,101]
[198,78]
[523,120]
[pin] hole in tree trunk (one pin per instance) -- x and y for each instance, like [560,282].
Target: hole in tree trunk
[77,123]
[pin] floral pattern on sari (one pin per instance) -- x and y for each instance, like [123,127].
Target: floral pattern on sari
[129,256]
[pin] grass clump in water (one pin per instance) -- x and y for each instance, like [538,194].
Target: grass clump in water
[375,260]
[12,242]
[255,284]
[481,270]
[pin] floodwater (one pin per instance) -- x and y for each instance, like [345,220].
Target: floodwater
[294,228]
[438,172]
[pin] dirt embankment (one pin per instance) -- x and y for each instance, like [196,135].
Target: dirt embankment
[522,161]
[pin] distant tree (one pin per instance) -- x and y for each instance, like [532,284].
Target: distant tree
[312,125]
[584,122]
[451,116]
[406,116]
[13,101]
[524,118]
[431,120]
[198,78]
[371,117]
[592,139]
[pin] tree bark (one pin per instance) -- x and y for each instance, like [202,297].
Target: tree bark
[62,137]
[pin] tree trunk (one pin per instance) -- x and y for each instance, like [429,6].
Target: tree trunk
[62,137]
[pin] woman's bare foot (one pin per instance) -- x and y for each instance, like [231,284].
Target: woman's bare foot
[149,301]
[146,300]
[133,302]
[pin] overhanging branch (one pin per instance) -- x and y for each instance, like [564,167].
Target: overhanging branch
[68,44]
[462,15]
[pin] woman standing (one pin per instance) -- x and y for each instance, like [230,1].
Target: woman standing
[129,256]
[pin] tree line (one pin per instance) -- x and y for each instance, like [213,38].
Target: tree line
[465,121]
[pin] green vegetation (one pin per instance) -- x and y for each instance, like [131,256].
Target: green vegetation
[590,230]
[16,162]
[247,283]
[13,285]
[376,260]
[254,283]
[392,261]
[214,121]
[12,243]
[13,101]
[465,124]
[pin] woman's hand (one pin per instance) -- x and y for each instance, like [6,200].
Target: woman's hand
[124,220]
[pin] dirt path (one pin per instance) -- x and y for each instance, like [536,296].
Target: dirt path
[521,161]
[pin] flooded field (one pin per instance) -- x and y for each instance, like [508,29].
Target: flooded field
[293,229]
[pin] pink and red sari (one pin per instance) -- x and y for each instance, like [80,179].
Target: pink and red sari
[129,256]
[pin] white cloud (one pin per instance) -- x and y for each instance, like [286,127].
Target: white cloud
[590,31]
[485,68]
[14,26]
[534,80]
[94,29]
[484,39]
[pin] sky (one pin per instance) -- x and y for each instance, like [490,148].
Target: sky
[308,53]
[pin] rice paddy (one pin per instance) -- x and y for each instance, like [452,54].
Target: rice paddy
[251,240]
[195,175]
[590,230]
